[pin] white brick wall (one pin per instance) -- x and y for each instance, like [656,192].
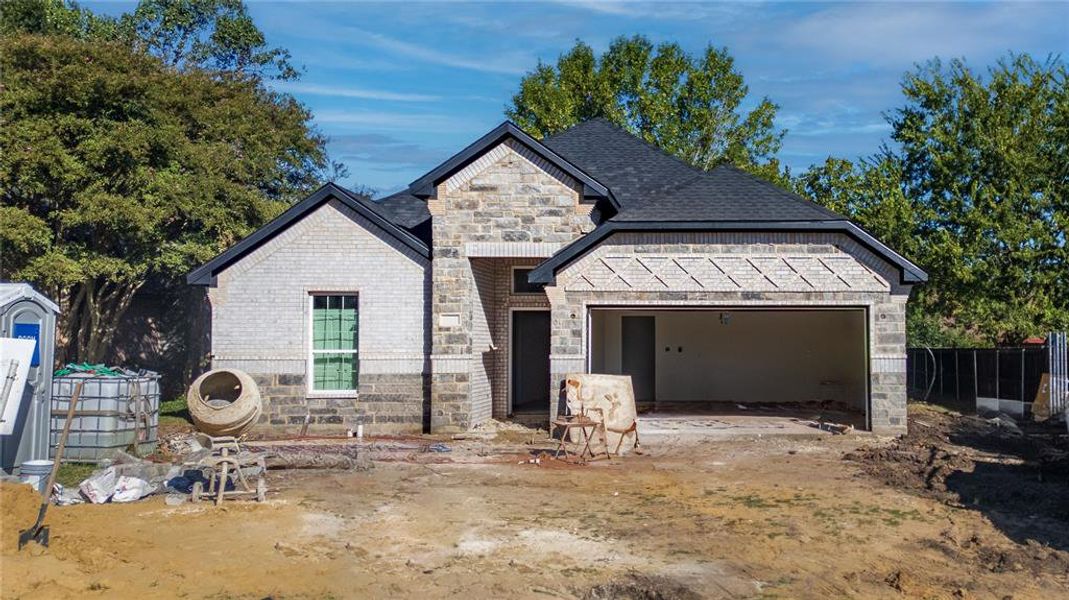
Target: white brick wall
[260,306]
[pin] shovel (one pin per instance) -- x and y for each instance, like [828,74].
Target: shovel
[39,532]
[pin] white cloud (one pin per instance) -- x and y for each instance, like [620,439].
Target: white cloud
[397,121]
[898,34]
[503,63]
[350,92]
[677,11]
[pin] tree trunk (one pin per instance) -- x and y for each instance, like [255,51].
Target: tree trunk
[88,323]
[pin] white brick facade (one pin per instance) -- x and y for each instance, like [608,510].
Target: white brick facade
[260,305]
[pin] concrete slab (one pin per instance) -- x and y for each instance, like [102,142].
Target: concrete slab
[722,426]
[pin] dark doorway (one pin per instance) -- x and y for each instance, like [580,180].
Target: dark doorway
[530,361]
[637,358]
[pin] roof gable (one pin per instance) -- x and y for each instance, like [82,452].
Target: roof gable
[205,274]
[424,187]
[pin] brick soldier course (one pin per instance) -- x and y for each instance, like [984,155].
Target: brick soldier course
[601,217]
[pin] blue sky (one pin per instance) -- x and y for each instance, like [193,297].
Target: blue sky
[399,87]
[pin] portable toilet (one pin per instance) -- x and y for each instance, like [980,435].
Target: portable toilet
[27,314]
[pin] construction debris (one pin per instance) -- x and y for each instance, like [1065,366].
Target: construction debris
[836,428]
[1004,421]
[98,487]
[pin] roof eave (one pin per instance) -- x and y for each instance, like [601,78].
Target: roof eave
[546,272]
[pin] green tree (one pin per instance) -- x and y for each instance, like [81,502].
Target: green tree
[214,35]
[115,168]
[217,35]
[690,106]
[53,17]
[979,178]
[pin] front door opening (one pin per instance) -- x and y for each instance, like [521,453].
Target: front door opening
[529,377]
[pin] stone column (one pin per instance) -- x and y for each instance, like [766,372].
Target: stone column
[887,366]
[451,289]
[567,352]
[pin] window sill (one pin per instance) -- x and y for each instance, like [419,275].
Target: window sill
[343,394]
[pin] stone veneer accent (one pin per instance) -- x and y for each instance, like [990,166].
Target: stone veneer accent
[509,195]
[385,405]
[574,293]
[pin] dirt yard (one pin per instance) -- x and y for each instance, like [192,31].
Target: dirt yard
[775,517]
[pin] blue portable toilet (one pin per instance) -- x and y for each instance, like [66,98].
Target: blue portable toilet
[26,313]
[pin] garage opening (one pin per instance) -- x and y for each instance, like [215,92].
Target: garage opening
[802,362]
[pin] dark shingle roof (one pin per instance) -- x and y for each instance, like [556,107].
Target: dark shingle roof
[652,185]
[726,194]
[630,167]
[409,212]
[404,209]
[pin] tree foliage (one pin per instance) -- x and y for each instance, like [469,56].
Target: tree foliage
[975,189]
[53,17]
[690,106]
[217,36]
[117,168]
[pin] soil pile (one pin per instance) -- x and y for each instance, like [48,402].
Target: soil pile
[1018,477]
[18,506]
[635,586]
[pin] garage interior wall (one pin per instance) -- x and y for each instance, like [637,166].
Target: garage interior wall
[746,356]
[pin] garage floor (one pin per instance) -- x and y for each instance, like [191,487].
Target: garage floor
[721,420]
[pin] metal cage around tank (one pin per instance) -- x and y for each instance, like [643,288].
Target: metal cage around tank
[114,412]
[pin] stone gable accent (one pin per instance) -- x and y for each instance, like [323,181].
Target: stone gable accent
[721,263]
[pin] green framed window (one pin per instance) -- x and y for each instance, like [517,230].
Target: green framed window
[335,359]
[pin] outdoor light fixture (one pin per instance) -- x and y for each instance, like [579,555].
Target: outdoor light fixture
[725,318]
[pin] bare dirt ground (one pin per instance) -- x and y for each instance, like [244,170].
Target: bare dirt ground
[776,517]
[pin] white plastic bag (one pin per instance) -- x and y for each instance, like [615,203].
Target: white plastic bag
[128,489]
[99,486]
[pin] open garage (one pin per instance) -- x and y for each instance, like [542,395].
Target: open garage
[703,361]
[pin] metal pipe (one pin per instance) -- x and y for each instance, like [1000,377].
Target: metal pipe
[931,380]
